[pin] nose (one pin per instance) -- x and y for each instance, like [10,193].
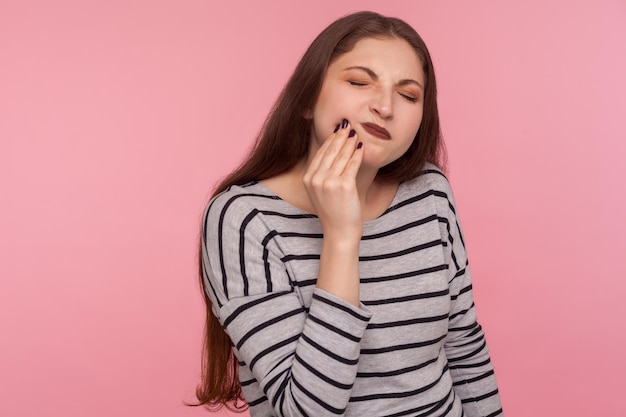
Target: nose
[382,105]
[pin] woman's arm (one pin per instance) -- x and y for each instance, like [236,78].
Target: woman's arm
[330,182]
[305,363]
[465,346]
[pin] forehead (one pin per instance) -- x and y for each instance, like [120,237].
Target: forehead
[388,58]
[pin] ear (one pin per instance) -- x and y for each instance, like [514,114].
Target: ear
[308,114]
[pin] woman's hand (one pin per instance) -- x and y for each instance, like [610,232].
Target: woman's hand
[330,181]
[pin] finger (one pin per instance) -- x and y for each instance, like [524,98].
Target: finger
[319,155]
[334,148]
[326,158]
[344,155]
[353,165]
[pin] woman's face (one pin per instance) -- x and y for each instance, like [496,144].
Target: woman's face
[380,82]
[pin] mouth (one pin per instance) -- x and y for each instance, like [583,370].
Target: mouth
[377,131]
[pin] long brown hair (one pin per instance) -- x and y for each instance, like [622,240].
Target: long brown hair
[284,141]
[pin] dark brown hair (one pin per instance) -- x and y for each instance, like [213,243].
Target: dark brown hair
[284,141]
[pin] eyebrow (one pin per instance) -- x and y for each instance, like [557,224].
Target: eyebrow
[374,76]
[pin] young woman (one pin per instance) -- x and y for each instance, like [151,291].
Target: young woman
[332,261]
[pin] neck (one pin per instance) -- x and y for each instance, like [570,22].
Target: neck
[365,184]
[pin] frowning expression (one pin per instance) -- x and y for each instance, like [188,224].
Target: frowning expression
[379,87]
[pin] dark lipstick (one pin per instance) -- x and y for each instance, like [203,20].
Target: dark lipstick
[375,130]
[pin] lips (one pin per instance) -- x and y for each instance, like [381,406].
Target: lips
[375,130]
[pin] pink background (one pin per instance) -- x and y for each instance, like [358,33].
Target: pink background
[117,117]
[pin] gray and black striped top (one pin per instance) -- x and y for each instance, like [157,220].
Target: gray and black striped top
[413,346]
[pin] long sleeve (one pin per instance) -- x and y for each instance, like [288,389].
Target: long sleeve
[304,361]
[465,345]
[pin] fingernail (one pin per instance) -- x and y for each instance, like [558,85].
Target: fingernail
[359,145]
[344,124]
[336,129]
[352,133]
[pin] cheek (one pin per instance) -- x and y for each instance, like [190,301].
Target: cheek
[329,112]
[414,121]
[331,107]
[338,100]
[325,118]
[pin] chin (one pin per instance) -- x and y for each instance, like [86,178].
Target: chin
[375,160]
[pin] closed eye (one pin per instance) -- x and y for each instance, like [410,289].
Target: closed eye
[357,83]
[411,99]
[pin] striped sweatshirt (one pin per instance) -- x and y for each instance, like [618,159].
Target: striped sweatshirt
[412,347]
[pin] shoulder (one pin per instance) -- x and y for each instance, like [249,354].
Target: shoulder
[432,185]
[255,208]
[241,199]
[431,180]
[234,205]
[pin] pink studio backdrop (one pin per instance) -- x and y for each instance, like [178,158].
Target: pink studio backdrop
[117,117]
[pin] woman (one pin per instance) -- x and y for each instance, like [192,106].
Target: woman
[333,257]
